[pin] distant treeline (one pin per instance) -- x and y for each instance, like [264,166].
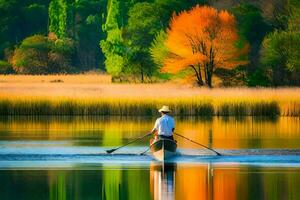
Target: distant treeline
[126,38]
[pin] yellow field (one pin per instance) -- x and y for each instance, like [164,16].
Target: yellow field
[70,79]
[94,94]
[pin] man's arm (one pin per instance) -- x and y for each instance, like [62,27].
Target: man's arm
[155,128]
[173,129]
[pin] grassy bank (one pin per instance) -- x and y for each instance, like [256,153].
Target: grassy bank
[59,78]
[196,106]
[86,95]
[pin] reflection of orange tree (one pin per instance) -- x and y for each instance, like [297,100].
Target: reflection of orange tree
[192,182]
[239,133]
[209,182]
[237,182]
[201,182]
[226,184]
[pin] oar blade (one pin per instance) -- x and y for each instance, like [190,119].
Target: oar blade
[110,150]
[139,138]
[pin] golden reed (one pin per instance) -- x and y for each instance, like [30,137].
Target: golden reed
[186,106]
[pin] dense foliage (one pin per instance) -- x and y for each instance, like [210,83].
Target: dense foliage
[203,39]
[5,67]
[127,38]
[58,17]
[281,50]
[19,19]
[283,61]
[78,21]
[42,55]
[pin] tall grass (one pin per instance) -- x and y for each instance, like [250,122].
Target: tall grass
[187,106]
[80,95]
[58,78]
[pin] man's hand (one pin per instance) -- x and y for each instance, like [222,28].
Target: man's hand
[154,131]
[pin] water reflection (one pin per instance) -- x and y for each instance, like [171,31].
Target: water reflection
[189,182]
[180,181]
[162,181]
[230,133]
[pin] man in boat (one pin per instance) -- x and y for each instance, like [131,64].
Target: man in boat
[165,125]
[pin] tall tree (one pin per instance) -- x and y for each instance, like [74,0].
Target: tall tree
[19,19]
[203,39]
[294,15]
[158,49]
[58,18]
[139,35]
[88,33]
[113,46]
[251,28]
[280,54]
[280,49]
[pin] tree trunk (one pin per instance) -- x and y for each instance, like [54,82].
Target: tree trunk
[210,74]
[206,73]
[210,68]
[209,78]
[200,82]
[198,75]
[142,75]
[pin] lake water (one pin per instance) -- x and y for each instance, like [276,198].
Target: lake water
[64,158]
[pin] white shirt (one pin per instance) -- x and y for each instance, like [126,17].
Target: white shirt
[164,125]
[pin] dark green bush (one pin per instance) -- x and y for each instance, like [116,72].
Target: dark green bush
[39,54]
[5,67]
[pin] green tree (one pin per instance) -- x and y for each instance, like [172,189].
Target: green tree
[252,29]
[60,55]
[281,55]
[88,32]
[32,55]
[158,49]
[142,27]
[58,17]
[113,46]
[36,18]
[38,54]
[294,15]
[280,49]
[5,67]
[130,28]
[251,25]
[19,19]
[166,8]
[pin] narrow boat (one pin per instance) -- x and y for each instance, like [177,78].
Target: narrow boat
[163,148]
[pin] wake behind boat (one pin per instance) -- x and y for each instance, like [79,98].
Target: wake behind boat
[44,157]
[163,148]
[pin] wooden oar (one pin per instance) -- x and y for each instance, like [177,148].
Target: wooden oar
[139,138]
[198,144]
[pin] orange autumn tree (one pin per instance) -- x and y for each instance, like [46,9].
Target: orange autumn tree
[203,39]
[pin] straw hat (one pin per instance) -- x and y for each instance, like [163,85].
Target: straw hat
[164,109]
